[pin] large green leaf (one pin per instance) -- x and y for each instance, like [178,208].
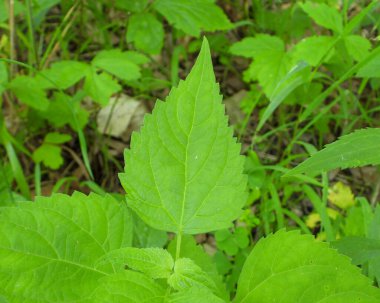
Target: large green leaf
[192,16]
[288,267]
[49,248]
[183,172]
[194,295]
[128,287]
[146,236]
[153,262]
[356,149]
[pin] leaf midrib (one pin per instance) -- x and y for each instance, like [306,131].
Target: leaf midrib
[180,227]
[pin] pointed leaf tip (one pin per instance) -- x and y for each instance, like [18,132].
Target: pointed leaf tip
[203,68]
[205,49]
[205,44]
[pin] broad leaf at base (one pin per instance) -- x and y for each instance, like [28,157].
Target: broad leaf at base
[128,287]
[288,267]
[153,262]
[49,248]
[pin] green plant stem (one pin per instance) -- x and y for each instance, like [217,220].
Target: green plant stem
[322,97]
[17,170]
[297,220]
[298,133]
[37,179]
[277,206]
[33,58]
[12,35]
[178,247]
[61,182]
[323,210]
[5,178]
[58,34]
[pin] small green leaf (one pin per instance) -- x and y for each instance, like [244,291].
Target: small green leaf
[187,274]
[192,16]
[289,267]
[260,45]
[356,149]
[183,172]
[371,69]
[313,49]
[49,155]
[357,46]
[61,109]
[341,196]
[29,91]
[189,249]
[57,138]
[299,74]
[358,219]
[136,57]
[153,262]
[146,32]
[129,287]
[324,15]
[232,242]
[271,62]
[117,63]
[100,87]
[55,242]
[62,74]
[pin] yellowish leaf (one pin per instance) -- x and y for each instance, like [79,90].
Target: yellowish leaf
[341,195]
[312,220]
